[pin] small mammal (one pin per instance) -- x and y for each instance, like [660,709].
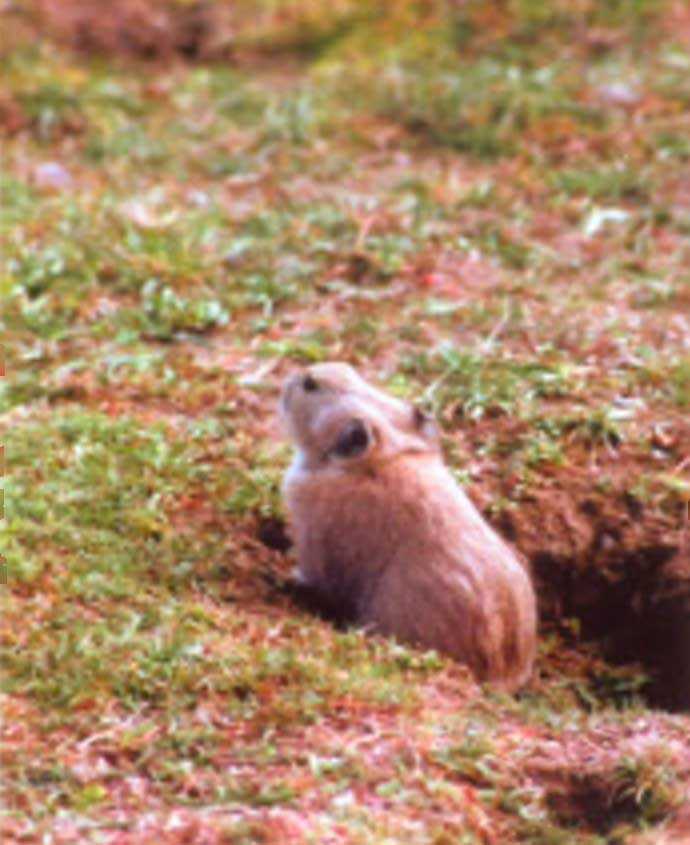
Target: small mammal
[387,538]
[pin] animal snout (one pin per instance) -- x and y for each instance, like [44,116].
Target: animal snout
[286,392]
[291,384]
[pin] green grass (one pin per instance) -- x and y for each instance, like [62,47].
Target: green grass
[431,194]
[611,183]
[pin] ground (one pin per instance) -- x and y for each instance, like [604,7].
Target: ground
[483,206]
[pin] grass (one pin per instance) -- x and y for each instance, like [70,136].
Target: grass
[451,199]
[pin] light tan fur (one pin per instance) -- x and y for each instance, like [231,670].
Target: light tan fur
[385,535]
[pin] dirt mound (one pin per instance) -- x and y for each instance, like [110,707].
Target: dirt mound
[617,563]
[144,29]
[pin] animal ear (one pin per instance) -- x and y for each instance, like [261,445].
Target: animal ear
[424,424]
[353,439]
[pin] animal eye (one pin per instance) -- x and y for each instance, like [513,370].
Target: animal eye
[310,384]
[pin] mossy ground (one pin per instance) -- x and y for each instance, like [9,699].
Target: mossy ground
[486,206]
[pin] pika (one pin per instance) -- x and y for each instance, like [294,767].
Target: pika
[388,540]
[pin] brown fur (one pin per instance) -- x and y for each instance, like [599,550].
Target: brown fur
[387,537]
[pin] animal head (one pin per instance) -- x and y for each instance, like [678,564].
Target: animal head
[334,415]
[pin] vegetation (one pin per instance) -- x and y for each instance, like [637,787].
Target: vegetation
[482,204]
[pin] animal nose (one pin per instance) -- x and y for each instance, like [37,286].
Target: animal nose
[288,389]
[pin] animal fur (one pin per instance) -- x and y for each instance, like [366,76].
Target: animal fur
[387,538]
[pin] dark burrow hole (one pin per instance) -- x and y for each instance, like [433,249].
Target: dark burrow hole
[601,800]
[635,606]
